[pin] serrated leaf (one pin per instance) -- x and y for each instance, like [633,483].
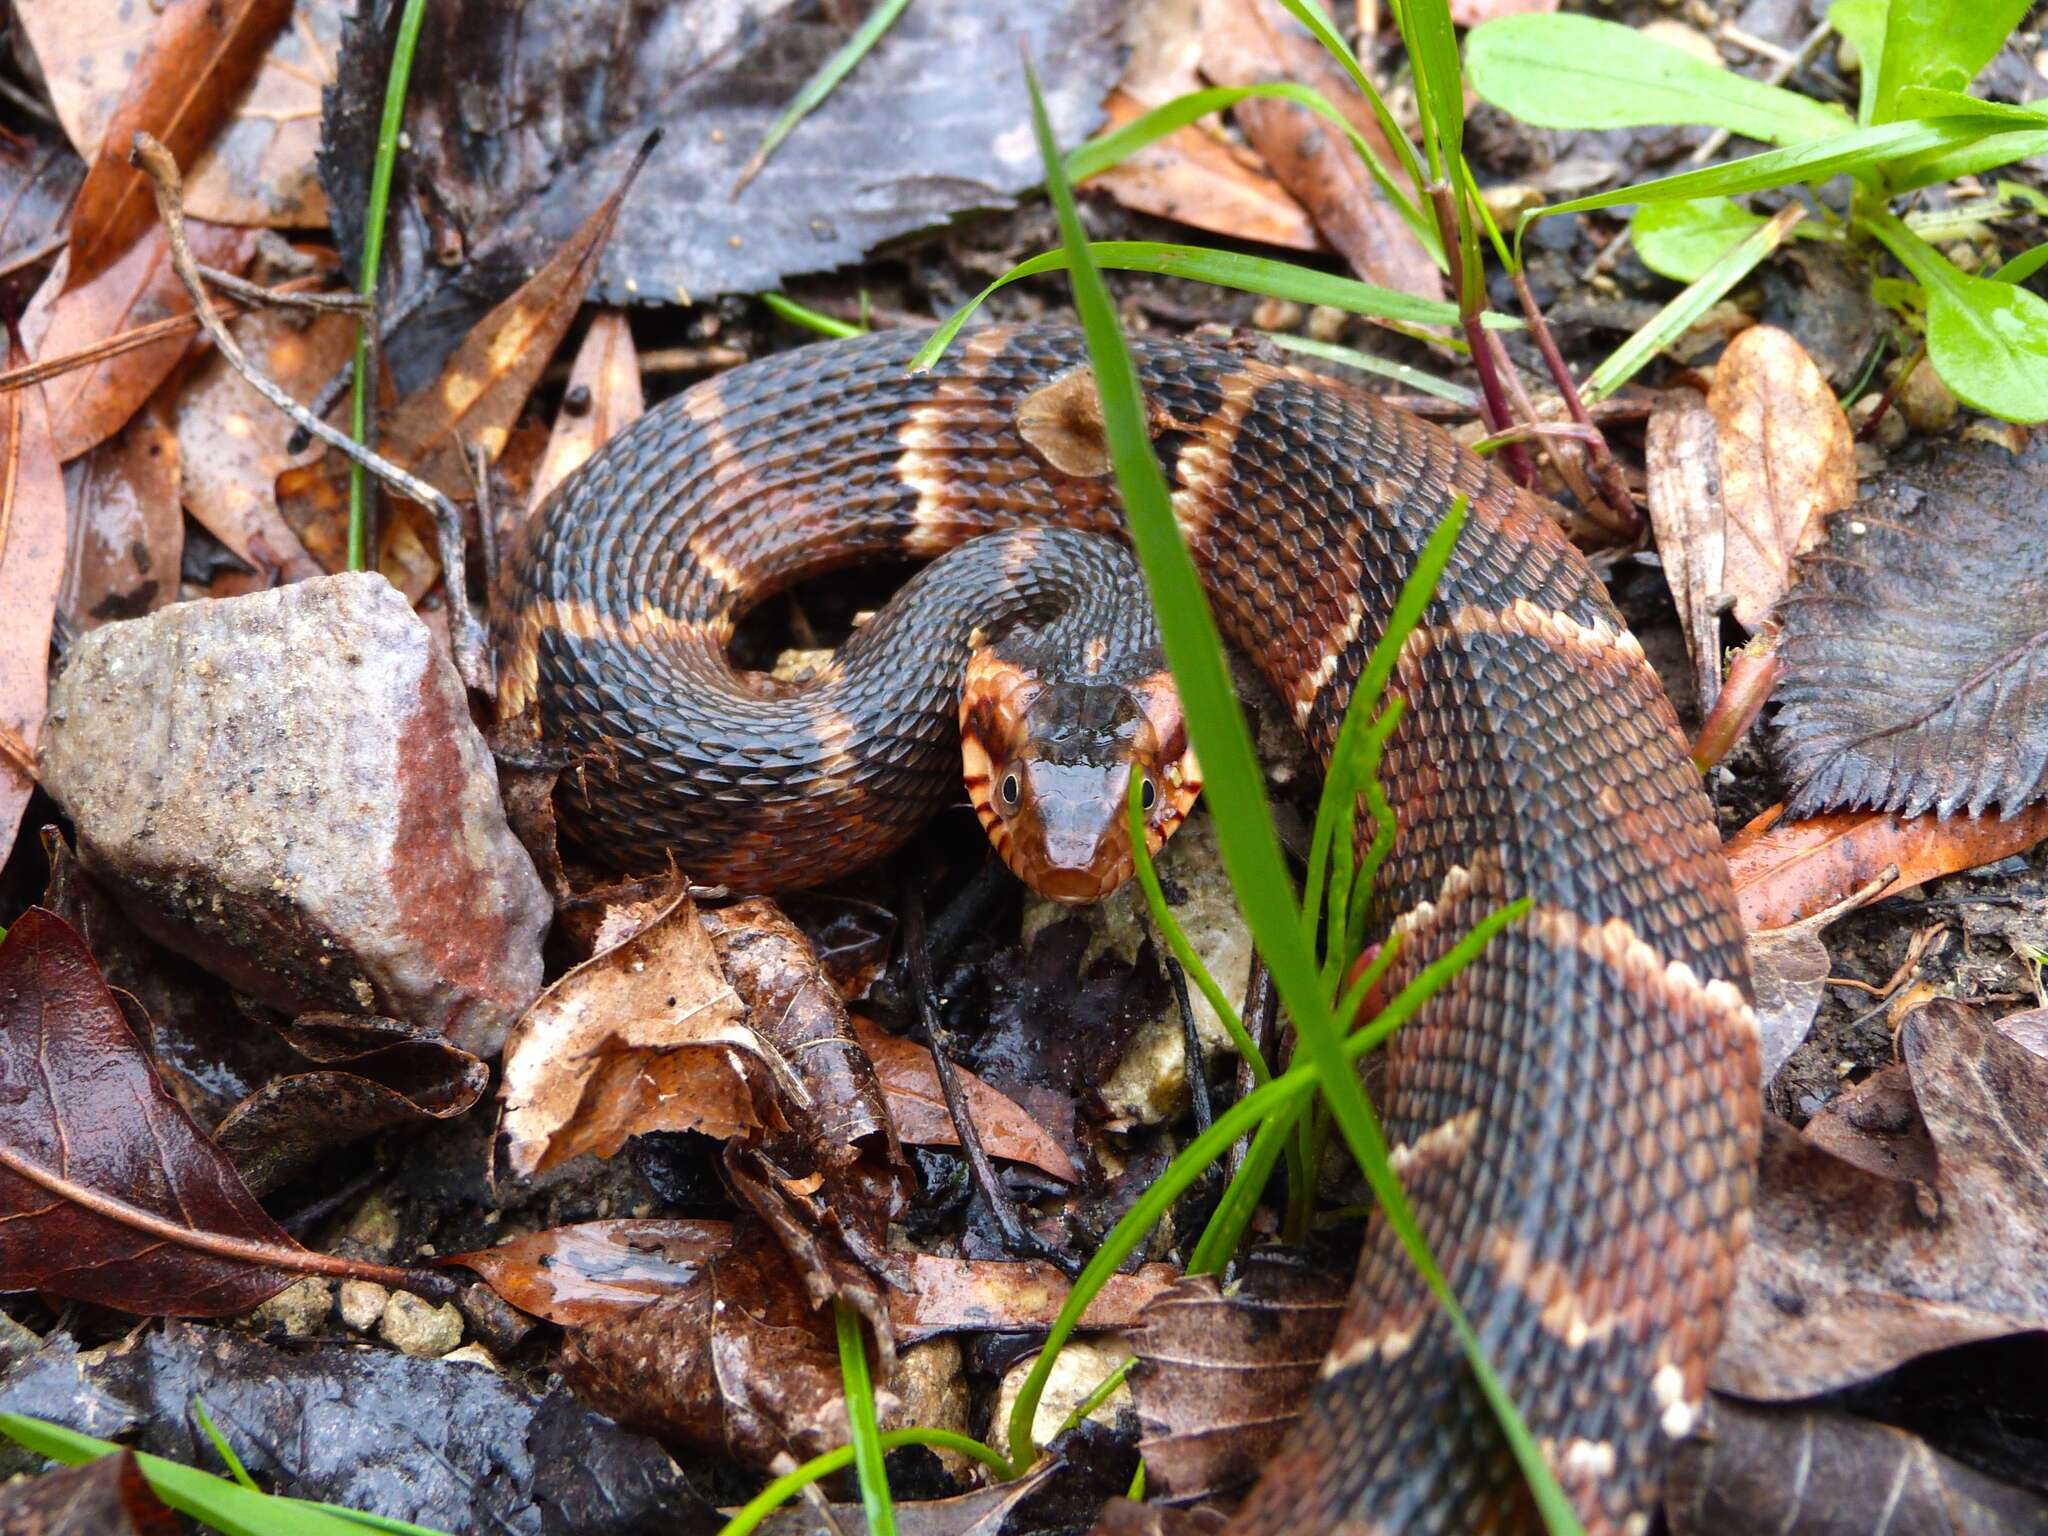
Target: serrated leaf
[1682,240]
[1561,71]
[1940,43]
[1987,339]
[1885,705]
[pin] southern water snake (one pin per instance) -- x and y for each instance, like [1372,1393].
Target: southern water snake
[1576,1116]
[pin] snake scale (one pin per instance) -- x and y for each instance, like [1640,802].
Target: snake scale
[1575,1117]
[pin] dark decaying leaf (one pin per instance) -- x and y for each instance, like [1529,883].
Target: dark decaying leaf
[599,1271]
[575,104]
[200,57]
[984,1512]
[109,1192]
[108,1497]
[450,1445]
[1821,1472]
[32,517]
[1223,1375]
[1682,473]
[39,176]
[1788,969]
[1916,643]
[851,938]
[127,533]
[377,1074]
[1850,1272]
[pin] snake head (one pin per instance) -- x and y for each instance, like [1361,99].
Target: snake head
[1048,765]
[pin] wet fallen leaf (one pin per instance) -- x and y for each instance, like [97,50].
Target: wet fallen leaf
[1245,42]
[1821,1472]
[974,1295]
[850,937]
[646,1035]
[1682,465]
[258,169]
[1788,969]
[1848,1272]
[32,518]
[1914,642]
[453,1445]
[984,1512]
[127,534]
[107,1497]
[911,1085]
[109,1192]
[1787,460]
[1876,1125]
[39,177]
[1194,177]
[1223,1375]
[603,398]
[88,405]
[376,1074]
[200,57]
[1785,870]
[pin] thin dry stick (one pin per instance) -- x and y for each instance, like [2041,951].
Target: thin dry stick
[1614,493]
[472,655]
[286,295]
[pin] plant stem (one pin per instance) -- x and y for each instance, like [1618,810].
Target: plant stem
[1494,399]
[395,85]
[1614,493]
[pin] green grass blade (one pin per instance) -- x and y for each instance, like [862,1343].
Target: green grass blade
[1226,269]
[1412,378]
[1098,155]
[381,169]
[1097,1396]
[821,85]
[1233,1215]
[860,1419]
[2024,265]
[1432,44]
[749,1516]
[785,308]
[1675,318]
[226,1452]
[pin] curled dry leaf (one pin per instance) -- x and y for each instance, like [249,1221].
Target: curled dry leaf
[31,573]
[1785,870]
[1682,466]
[1849,1272]
[1916,643]
[1822,1472]
[90,404]
[910,1084]
[109,1192]
[1787,460]
[376,1074]
[107,1497]
[644,1036]
[258,167]
[127,536]
[199,58]
[603,399]
[1223,1375]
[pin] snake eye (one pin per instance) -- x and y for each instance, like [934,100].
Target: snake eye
[1008,791]
[1148,793]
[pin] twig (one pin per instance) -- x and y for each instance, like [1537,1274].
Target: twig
[472,655]
[1484,359]
[282,297]
[1787,65]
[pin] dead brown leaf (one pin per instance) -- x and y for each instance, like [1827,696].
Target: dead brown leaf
[127,533]
[258,169]
[200,56]
[644,1036]
[973,1295]
[1787,457]
[1195,178]
[603,399]
[1822,1472]
[911,1086]
[89,405]
[1223,1375]
[31,574]
[1682,463]
[1849,1272]
[1784,871]
[106,1497]
[485,384]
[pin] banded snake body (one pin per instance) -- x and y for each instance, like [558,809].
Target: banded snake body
[1575,1116]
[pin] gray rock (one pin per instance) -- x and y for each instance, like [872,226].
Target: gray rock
[288,788]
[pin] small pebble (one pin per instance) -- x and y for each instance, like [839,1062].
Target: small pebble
[1277,314]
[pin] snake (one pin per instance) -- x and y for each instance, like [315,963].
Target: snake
[1574,1116]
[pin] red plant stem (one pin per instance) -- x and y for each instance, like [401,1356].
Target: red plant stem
[1752,674]
[1497,416]
[1868,430]
[1614,492]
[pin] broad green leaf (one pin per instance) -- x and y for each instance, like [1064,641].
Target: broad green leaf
[1675,318]
[1862,23]
[2023,266]
[1560,71]
[1939,43]
[1987,339]
[1857,150]
[1226,269]
[1682,240]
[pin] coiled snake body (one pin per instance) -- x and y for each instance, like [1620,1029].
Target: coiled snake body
[1576,1115]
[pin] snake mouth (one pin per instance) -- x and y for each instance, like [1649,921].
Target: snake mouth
[1077,887]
